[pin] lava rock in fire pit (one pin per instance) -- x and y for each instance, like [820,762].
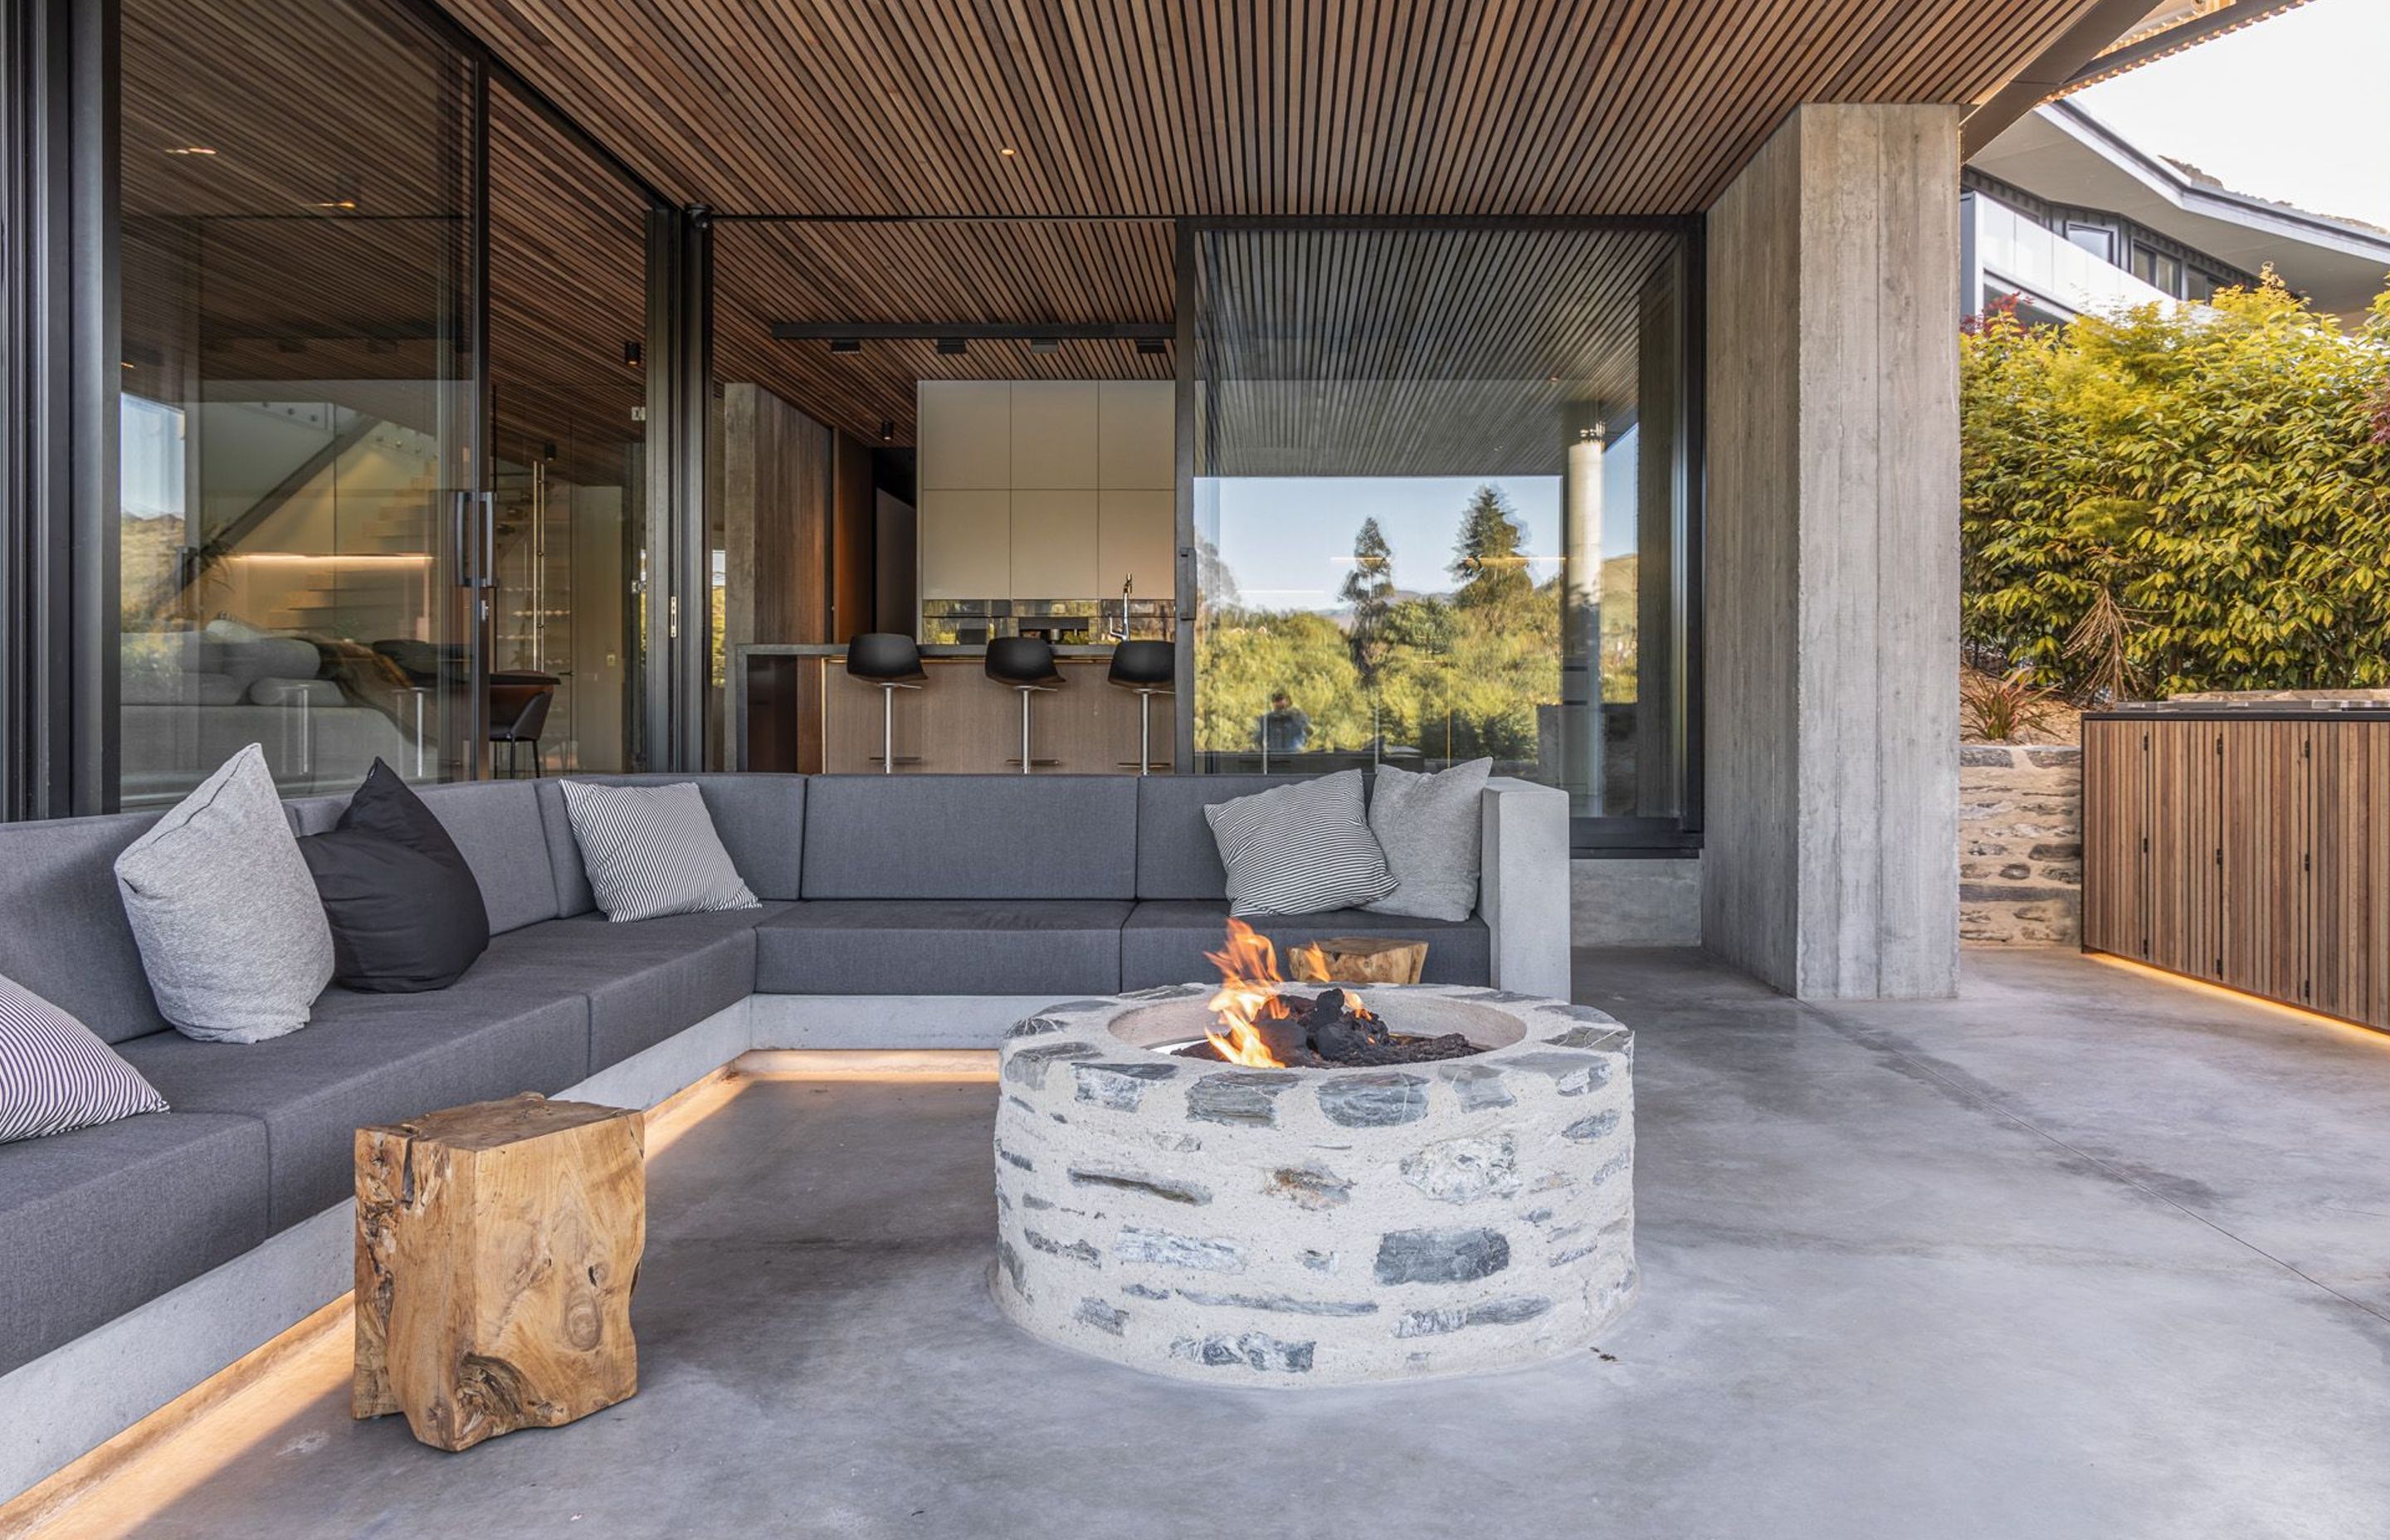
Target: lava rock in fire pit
[1334,1029]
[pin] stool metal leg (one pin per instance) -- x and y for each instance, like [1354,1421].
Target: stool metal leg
[1144,732]
[887,730]
[1025,731]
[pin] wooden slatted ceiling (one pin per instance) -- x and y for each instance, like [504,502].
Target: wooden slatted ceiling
[946,272]
[1418,352]
[1226,107]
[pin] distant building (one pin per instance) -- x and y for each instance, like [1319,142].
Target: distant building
[2068,215]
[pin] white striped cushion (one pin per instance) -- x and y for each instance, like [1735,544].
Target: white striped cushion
[652,850]
[56,1074]
[1299,849]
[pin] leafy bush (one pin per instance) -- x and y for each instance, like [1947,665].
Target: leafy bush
[2173,499]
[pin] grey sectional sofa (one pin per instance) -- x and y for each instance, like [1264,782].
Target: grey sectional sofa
[139,1257]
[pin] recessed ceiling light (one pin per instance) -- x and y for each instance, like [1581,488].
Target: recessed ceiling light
[189,150]
[1008,152]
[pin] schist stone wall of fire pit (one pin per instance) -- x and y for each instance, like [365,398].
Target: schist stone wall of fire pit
[1293,1227]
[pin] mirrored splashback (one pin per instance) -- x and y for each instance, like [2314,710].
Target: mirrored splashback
[973,622]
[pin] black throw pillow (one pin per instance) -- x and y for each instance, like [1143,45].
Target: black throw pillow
[406,915]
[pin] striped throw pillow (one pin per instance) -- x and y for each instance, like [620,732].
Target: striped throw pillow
[1299,849]
[652,850]
[56,1074]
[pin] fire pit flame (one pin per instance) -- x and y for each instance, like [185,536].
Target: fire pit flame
[1248,1005]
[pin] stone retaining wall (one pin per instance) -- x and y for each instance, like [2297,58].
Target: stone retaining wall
[2019,844]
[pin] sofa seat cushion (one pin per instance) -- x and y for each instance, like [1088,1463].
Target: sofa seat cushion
[647,979]
[941,946]
[504,1028]
[1164,941]
[97,1222]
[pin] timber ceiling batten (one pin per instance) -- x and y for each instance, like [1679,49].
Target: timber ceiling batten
[1232,107]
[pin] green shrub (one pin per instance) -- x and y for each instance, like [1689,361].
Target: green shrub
[2178,498]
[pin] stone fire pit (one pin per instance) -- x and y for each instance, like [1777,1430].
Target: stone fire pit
[1292,1227]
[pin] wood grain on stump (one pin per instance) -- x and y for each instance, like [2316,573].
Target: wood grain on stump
[1359,960]
[497,1245]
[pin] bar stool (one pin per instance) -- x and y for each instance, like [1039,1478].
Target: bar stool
[1150,668]
[1026,664]
[889,659]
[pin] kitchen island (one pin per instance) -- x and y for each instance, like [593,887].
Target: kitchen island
[795,708]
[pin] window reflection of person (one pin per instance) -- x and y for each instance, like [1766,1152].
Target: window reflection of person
[1283,729]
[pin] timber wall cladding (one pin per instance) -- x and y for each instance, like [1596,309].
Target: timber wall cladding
[2252,852]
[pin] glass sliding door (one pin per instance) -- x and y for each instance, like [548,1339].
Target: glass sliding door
[298,411]
[1440,508]
[568,393]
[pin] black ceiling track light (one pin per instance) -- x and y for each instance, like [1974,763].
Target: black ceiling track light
[954,346]
[846,344]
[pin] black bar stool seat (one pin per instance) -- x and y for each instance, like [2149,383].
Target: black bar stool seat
[1150,668]
[1026,664]
[890,660]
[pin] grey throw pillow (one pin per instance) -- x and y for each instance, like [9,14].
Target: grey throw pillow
[56,1074]
[652,850]
[1299,849]
[1429,828]
[231,931]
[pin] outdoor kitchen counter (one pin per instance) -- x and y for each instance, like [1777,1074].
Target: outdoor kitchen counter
[795,708]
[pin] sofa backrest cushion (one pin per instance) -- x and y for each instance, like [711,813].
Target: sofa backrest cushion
[498,826]
[1176,856]
[760,818]
[63,934]
[999,837]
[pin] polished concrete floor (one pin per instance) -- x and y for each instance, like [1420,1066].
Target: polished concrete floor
[2082,1254]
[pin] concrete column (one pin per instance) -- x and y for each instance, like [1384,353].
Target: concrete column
[1830,866]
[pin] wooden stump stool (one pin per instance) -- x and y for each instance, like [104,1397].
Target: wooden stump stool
[1360,960]
[497,1245]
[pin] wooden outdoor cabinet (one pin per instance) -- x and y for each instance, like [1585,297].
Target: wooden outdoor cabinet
[2250,848]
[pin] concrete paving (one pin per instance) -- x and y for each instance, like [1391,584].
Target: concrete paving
[2081,1253]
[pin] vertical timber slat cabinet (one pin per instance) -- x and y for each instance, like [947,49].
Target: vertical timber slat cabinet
[2182,910]
[2116,838]
[2248,848]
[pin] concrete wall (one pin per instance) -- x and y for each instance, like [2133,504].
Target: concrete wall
[1832,597]
[2019,844]
[1635,903]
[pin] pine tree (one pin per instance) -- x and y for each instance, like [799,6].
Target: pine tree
[1487,560]
[1366,589]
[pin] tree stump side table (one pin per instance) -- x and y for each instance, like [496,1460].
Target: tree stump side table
[1359,960]
[497,1245]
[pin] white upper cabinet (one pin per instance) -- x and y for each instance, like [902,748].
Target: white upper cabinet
[1054,544]
[966,543]
[1047,489]
[1136,540]
[1054,432]
[1137,432]
[966,434]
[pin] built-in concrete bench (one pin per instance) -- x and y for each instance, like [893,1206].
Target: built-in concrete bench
[899,912]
